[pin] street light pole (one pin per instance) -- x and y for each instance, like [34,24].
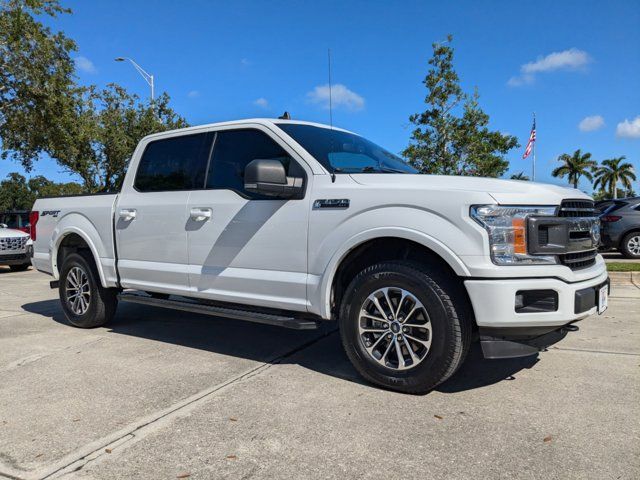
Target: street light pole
[147,77]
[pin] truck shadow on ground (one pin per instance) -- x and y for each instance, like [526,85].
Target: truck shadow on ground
[318,350]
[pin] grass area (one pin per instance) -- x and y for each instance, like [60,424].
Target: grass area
[623,267]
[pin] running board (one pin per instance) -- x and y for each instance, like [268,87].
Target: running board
[236,314]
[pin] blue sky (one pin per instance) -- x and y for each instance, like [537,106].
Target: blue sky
[226,60]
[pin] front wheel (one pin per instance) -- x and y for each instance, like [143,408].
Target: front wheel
[405,327]
[19,268]
[631,245]
[85,302]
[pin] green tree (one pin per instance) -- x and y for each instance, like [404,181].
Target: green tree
[574,166]
[103,131]
[88,132]
[15,194]
[614,171]
[620,193]
[447,142]
[36,78]
[18,193]
[520,176]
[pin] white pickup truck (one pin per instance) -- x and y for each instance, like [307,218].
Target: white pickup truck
[293,223]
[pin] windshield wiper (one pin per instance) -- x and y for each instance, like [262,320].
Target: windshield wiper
[380,169]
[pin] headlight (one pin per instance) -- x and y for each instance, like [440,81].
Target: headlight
[507,229]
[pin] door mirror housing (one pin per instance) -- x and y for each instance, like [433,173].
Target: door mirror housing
[268,177]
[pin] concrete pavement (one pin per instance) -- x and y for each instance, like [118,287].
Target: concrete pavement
[161,394]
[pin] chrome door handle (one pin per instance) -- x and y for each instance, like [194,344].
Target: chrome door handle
[200,214]
[127,214]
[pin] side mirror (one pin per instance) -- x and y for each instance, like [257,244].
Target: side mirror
[268,177]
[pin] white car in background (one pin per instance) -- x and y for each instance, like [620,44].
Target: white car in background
[16,248]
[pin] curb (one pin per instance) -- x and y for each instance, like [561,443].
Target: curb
[625,278]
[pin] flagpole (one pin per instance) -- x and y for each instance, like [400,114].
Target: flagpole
[534,148]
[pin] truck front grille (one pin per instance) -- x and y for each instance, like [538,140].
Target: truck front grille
[13,244]
[579,260]
[583,209]
[577,208]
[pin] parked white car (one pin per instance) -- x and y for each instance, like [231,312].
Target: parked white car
[16,248]
[292,223]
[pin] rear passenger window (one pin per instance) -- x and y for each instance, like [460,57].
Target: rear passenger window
[234,149]
[176,163]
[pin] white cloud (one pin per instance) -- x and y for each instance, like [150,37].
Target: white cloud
[341,96]
[261,102]
[520,80]
[629,128]
[85,65]
[245,62]
[589,124]
[572,59]
[193,94]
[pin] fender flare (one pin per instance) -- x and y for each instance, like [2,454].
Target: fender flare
[439,248]
[60,234]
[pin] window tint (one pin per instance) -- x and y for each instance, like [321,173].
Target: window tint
[177,163]
[345,152]
[234,149]
[15,220]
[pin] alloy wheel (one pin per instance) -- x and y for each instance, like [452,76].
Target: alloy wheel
[633,245]
[78,291]
[395,328]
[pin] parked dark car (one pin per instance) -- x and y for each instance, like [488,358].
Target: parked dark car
[16,219]
[620,225]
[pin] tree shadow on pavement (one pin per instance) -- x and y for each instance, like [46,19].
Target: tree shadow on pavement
[318,350]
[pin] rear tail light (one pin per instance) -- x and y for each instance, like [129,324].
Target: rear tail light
[33,219]
[610,218]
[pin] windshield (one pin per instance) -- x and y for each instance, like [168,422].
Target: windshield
[343,152]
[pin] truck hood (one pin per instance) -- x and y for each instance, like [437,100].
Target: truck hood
[506,192]
[11,233]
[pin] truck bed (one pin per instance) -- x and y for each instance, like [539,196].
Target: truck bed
[91,216]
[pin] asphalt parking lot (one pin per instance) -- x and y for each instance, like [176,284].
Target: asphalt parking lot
[163,394]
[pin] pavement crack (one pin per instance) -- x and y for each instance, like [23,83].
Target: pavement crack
[21,362]
[138,431]
[605,352]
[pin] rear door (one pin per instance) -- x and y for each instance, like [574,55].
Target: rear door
[151,216]
[243,247]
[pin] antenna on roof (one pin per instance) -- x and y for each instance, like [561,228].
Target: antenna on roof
[285,116]
[330,96]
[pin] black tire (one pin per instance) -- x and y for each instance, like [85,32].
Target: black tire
[19,268]
[625,247]
[449,314]
[102,301]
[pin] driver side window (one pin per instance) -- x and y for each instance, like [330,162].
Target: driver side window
[234,149]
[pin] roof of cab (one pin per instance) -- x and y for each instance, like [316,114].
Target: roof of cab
[246,121]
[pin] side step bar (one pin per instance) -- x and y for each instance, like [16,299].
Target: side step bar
[237,314]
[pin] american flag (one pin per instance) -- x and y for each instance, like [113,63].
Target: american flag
[532,139]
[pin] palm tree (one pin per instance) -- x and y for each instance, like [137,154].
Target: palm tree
[519,176]
[575,166]
[611,172]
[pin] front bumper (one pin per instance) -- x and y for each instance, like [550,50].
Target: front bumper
[493,301]
[17,258]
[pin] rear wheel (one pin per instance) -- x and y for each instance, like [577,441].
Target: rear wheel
[405,327]
[630,246]
[85,302]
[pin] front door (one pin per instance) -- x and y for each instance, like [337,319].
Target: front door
[242,247]
[151,215]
